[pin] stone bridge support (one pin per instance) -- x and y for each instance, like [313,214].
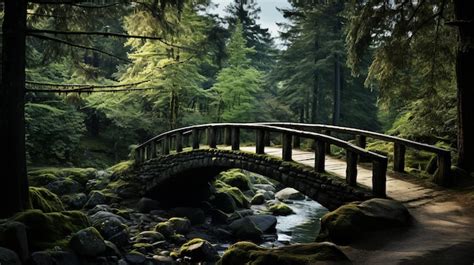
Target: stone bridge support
[329,191]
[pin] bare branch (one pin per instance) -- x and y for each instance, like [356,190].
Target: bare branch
[107,34]
[39,36]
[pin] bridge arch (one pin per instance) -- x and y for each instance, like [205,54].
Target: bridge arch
[329,191]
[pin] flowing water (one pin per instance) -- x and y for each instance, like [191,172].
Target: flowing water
[304,225]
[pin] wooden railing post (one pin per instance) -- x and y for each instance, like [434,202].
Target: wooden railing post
[195,135]
[443,174]
[260,141]
[399,157]
[165,145]
[327,147]
[235,138]
[185,140]
[139,155]
[179,142]
[227,136]
[351,169]
[361,141]
[379,178]
[286,148]
[212,137]
[319,156]
[152,150]
[296,142]
[267,138]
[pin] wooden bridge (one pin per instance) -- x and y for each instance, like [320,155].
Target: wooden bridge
[228,136]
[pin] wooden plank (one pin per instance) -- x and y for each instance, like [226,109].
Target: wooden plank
[442,176]
[286,146]
[179,142]
[327,147]
[195,135]
[361,141]
[227,135]
[235,138]
[379,177]
[351,168]
[165,145]
[260,142]
[399,157]
[320,157]
[212,137]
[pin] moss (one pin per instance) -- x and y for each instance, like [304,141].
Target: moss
[235,178]
[165,228]
[299,254]
[46,230]
[280,209]
[81,175]
[45,200]
[198,250]
[147,246]
[122,167]
[42,179]
[240,200]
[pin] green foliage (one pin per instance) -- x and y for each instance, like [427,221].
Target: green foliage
[53,131]
[238,84]
[412,66]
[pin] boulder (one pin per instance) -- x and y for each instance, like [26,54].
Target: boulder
[198,250]
[180,225]
[354,220]
[258,199]
[245,229]
[95,198]
[41,180]
[112,227]
[195,215]
[269,195]
[235,178]
[135,257]
[75,201]
[13,236]
[224,202]
[46,230]
[289,194]
[87,242]
[53,257]
[99,208]
[45,200]
[149,237]
[64,186]
[145,205]
[280,209]
[165,228]
[219,217]
[298,254]
[264,222]
[8,257]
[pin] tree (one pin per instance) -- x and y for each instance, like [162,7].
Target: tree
[414,60]
[238,84]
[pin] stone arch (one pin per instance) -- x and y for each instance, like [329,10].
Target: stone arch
[329,191]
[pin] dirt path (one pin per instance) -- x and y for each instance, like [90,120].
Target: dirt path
[443,230]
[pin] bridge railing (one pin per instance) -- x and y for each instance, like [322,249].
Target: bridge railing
[160,145]
[442,176]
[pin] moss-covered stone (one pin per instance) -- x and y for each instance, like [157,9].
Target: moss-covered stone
[355,220]
[299,254]
[239,198]
[81,175]
[42,179]
[165,228]
[235,178]
[45,200]
[280,208]
[46,230]
[122,167]
[198,250]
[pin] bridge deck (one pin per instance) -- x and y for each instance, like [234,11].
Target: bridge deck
[406,190]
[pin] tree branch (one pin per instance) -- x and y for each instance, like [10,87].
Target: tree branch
[82,86]
[88,90]
[78,46]
[107,34]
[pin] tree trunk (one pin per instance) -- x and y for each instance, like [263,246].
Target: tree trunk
[464,12]
[337,91]
[315,103]
[13,179]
